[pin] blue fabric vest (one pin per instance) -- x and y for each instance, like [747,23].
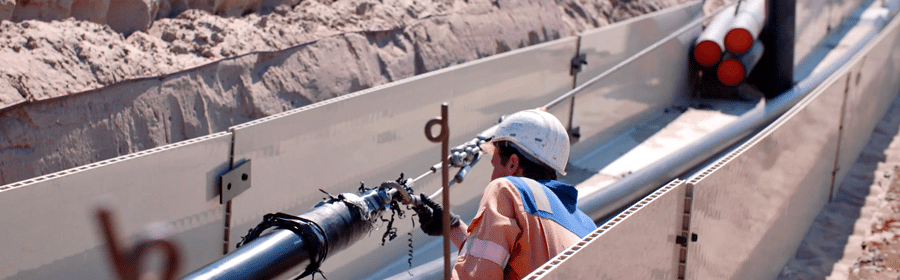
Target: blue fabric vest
[561,199]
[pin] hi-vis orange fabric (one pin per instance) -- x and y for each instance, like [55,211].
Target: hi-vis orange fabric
[506,241]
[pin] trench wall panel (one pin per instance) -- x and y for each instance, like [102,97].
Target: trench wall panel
[323,147]
[636,34]
[871,86]
[631,36]
[639,243]
[752,208]
[815,18]
[630,94]
[53,233]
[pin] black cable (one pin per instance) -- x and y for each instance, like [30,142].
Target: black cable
[409,270]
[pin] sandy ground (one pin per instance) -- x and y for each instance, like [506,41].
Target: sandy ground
[857,234]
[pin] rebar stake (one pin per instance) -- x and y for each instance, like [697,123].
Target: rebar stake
[444,138]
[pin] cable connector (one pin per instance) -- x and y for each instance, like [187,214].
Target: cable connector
[577,64]
[463,155]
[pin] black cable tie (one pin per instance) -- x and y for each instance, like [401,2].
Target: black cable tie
[301,227]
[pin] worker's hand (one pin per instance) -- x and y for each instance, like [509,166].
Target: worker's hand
[430,214]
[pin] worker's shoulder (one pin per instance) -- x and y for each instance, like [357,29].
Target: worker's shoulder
[509,184]
[502,182]
[502,185]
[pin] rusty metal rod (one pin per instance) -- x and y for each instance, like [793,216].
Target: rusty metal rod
[444,138]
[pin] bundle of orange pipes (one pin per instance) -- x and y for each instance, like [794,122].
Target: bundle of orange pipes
[730,42]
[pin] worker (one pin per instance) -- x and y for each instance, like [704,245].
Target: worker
[525,216]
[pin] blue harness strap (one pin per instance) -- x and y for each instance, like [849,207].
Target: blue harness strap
[555,201]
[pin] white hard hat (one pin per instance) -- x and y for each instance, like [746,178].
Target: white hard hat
[537,134]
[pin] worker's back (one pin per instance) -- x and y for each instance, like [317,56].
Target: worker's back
[520,225]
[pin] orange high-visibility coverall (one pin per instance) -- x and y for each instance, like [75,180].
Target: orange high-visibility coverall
[517,228]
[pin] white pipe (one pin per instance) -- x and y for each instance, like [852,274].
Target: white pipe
[752,57]
[745,29]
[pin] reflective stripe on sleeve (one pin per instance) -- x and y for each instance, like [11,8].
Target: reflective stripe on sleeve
[486,250]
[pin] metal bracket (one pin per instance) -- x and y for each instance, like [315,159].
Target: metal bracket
[574,134]
[577,62]
[683,239]
[234,182]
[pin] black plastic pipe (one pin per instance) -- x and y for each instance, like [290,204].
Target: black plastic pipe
[302,243]
[266,257]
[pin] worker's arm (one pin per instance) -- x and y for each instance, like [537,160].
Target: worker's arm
[492,234]
[458,234]
[430,217]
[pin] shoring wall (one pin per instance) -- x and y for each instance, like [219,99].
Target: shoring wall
[643,232]
[49,230]
[815,19]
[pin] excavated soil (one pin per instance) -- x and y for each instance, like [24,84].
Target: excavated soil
[62,57]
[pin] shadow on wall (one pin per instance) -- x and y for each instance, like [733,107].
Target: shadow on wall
[823,246]
[129,15]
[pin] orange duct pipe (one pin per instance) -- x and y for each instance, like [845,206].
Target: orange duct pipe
[732,71]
